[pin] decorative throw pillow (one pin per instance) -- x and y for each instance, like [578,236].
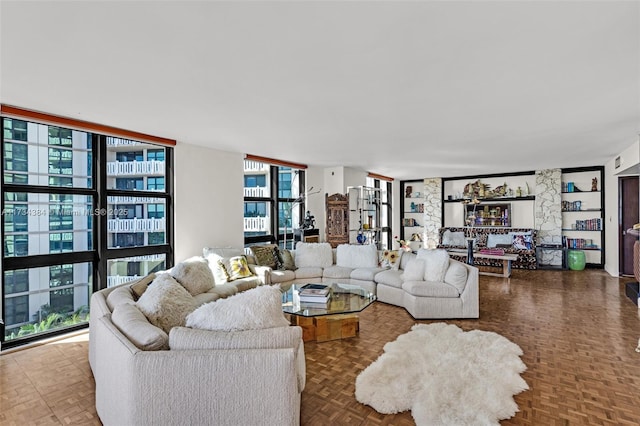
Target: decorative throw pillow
[288,262]
[266,255]
[391,259]
[194,274]
[436,263]
[494,239]
[522,242]
[213,254]
[454,239]
[141,285]
[414,270]
[166,303]
[236,268]
[256,308]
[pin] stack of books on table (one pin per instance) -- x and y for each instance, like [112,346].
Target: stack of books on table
[314,293]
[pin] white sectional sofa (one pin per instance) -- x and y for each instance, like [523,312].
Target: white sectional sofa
[429,285]
[347,264]
[168,374]
[453,292]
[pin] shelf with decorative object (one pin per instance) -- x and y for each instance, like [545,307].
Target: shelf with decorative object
[364,215]
[583,212]
[412,211]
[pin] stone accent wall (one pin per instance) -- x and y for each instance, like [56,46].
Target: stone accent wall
[432,211]
[548,213]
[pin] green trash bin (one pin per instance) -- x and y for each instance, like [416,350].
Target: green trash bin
[576,260]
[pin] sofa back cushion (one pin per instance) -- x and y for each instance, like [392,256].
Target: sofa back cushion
[456,275]
[134,325]
[194,274]
[436,262]
[357,256]
[166,303]
[119,296]
[414,270]
[313,255]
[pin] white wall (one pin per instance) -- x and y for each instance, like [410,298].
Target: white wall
[314,177]
[208,202]
[629,165]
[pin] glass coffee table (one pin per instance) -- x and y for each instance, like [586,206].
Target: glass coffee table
[335,319]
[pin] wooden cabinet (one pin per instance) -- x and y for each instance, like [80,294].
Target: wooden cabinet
[337,213]
[583,212]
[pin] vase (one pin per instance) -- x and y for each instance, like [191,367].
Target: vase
[470,251]
[361,238]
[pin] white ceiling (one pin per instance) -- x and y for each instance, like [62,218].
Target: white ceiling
[404,89]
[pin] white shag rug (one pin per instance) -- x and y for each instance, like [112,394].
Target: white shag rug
[445,376]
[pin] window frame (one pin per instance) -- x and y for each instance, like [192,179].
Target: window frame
[97,190]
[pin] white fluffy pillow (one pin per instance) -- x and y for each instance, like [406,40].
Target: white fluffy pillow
[194,274]
[313,255]
[166,303]
[357,256]
[257,308]
[436,263]
[414,270]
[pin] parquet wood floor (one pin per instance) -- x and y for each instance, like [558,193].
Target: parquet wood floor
[577,329]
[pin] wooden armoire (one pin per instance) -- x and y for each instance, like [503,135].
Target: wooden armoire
[337,229]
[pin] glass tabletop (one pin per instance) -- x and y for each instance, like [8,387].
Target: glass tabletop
[343,299]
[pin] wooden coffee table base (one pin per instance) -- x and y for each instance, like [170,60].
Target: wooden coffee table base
[326,327]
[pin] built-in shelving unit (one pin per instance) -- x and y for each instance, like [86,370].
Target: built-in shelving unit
[412,211]
[583,212]
[364,215]
[513,192]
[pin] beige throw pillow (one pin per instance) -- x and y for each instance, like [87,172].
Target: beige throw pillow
[166,303]
[194,274]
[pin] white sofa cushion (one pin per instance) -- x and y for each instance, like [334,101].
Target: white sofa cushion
[357,256]
[166,303]
[194,274]
[430,289]
[182,338]
[390,277]
[256,308]
[132,323]
[280,276]
[308,272]
[207,297]
[414,270]
[456,276]
[313,255]
[365,274]
[120,295]
[436,263]
[337,272]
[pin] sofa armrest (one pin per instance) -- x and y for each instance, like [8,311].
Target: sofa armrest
[471,294]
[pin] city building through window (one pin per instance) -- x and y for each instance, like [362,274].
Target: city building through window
[69,231]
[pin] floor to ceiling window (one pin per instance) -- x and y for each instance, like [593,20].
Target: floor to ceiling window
[273,201]
[74,220]
[385,186]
